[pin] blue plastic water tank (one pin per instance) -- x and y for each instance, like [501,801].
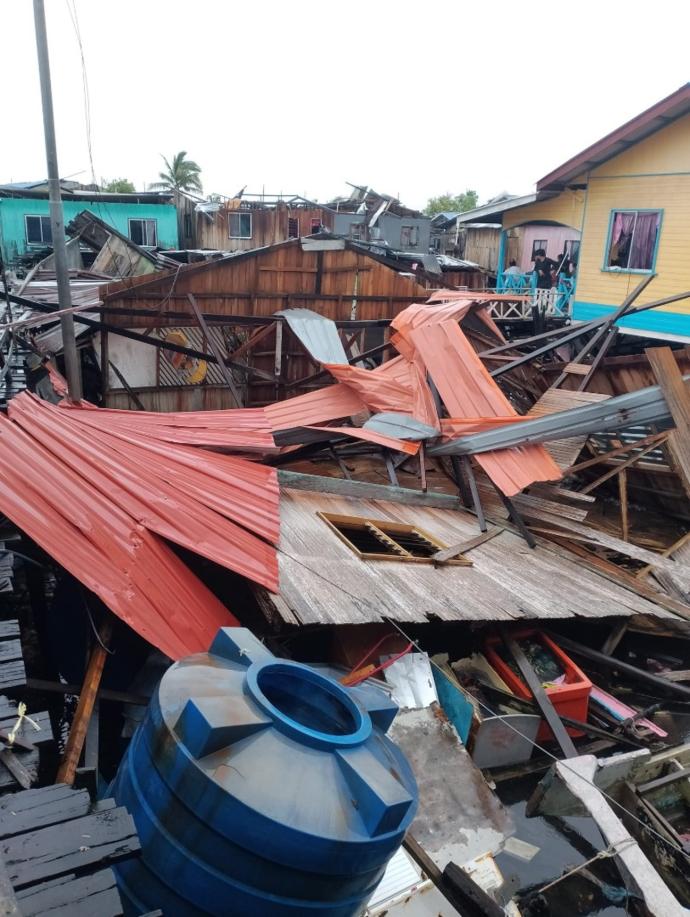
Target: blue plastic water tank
[261,786]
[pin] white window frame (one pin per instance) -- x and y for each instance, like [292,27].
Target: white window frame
[145,220]
[43,218]
[239,214]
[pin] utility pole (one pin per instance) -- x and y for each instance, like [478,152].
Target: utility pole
[57,221]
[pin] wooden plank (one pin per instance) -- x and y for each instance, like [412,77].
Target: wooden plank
[216,351]
[95,895]
[449,553]
[365,491]
[14,765]
[9,629]
[69,846]
[12,674]
[623,499]
[624,668]
[10,650]
[673,777]
[35,809]
[620,467]
[87,699]
[9,906]
[474,895]
[615,637]
[476,499]
[671,383]
[541,697]
[596,362]
[614,453]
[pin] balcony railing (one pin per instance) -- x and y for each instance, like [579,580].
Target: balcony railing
[555,302]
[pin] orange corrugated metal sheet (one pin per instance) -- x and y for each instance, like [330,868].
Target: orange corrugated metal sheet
[378,391]
[329,403]
[468,390]
[102,503]
[243,430]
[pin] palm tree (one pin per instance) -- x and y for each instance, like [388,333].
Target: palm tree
[181,174]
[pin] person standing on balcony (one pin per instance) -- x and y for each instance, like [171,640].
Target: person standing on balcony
[512,268]
[543,268]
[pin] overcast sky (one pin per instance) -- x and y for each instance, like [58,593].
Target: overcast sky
[300,96]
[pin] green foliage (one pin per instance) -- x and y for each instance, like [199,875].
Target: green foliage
[118,186]
[181,174]
[452,202]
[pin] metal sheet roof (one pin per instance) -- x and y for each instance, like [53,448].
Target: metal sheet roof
[97,502]
[468,391]
[318,334]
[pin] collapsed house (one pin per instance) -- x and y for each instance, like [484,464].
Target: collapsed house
[413,480]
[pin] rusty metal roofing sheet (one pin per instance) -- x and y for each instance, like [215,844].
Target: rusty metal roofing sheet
[243,430]
[468,390]
[102,503]
[320,406]
[318,334]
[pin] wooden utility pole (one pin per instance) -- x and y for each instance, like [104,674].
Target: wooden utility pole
[57,221]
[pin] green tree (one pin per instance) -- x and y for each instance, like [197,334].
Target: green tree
[181,174]
[118,186]
[452,202]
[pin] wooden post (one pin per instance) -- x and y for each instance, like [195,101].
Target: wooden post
[541,697]
[215,350]
[677,397]
[474,490]
[87,699]
[623,494]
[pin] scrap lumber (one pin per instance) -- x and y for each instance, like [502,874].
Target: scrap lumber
[623,668]
[215,350]
[619,469]
[559,542]
[87,699]
[670,380]
[446,554]
[365,491]
[541,697]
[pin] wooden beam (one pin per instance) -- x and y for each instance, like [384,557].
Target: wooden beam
[365,491]
[541,697]
[474,490]
[671,383]
[87,699]
[613,453]
[624,668]
[615,637]
[216,351]
[596,362]
[125,385]
[623,499]
[620,468]
[446,554]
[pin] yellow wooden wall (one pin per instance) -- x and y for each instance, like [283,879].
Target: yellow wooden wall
[668,193]
[653,174]
[566,208]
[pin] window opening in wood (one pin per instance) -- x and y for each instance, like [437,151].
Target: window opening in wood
[632,241]
[293,228]
[38,230]
[144,232]
[378,539]
[315,225]
[538,245]
[240,225]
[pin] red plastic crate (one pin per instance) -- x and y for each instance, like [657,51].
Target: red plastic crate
[570,698]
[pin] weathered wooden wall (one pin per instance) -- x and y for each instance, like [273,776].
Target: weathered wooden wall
[269,225]
[342,284]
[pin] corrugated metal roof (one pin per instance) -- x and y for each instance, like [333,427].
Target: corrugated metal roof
[98,503]
[318,334]
[329,403]
[468,390]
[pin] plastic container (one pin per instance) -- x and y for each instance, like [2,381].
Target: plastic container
[259,787]
[571,698]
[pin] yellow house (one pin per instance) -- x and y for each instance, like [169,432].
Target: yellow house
[626,199]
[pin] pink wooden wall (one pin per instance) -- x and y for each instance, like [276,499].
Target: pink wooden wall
[556,237]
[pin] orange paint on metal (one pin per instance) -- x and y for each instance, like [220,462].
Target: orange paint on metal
[320,406]
[102,501]
[468,390]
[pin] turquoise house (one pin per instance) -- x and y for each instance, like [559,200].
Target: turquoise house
[149,219]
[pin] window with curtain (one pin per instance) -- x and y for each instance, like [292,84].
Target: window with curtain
[632,240]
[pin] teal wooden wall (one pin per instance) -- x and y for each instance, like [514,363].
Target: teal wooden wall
[13,211]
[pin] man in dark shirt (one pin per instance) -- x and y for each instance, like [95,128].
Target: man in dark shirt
[543,267]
